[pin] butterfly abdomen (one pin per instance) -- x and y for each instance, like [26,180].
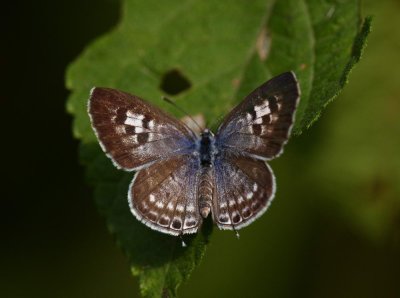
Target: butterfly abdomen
[206,187]
[205,191]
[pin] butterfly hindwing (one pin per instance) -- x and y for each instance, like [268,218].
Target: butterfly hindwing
[261,124]
[245,188]
[134,133]
[164,195]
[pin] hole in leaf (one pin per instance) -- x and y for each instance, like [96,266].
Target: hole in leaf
[174,82]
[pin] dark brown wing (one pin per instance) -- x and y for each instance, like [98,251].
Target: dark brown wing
[134,133]
[244,189]
[164,196]
[261,124]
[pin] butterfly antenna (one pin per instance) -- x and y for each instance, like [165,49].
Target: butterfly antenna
[182,111]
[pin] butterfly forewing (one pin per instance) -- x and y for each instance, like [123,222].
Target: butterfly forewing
[132,132]
[164,195]
[261,124]
[245,188]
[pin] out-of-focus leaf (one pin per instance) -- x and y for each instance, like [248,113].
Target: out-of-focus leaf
[224,49]
[358,164]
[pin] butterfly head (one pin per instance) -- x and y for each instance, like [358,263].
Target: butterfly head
[207,133]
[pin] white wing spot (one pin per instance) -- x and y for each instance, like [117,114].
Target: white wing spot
[240,200]
[190,208]
[170,206]
[222,205]
[152,198]
[133,122]
[151,137]
[120,129]
[134,115]
[249,195]
[139,129]
[151,124]
[133,119]
[255,187]
[258,121]
[249,117]
[160,204]
[261,110]
[232,203]
[180,208]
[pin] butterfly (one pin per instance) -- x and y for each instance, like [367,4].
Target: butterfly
[180,177]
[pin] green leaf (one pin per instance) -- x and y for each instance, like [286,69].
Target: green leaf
[160,260]
[225,49]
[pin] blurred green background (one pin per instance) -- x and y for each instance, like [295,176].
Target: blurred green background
[333,230]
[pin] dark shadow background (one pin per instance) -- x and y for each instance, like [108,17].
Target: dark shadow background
[54,243]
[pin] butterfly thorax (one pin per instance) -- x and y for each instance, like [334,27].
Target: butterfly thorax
[206,185]
[206,148]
